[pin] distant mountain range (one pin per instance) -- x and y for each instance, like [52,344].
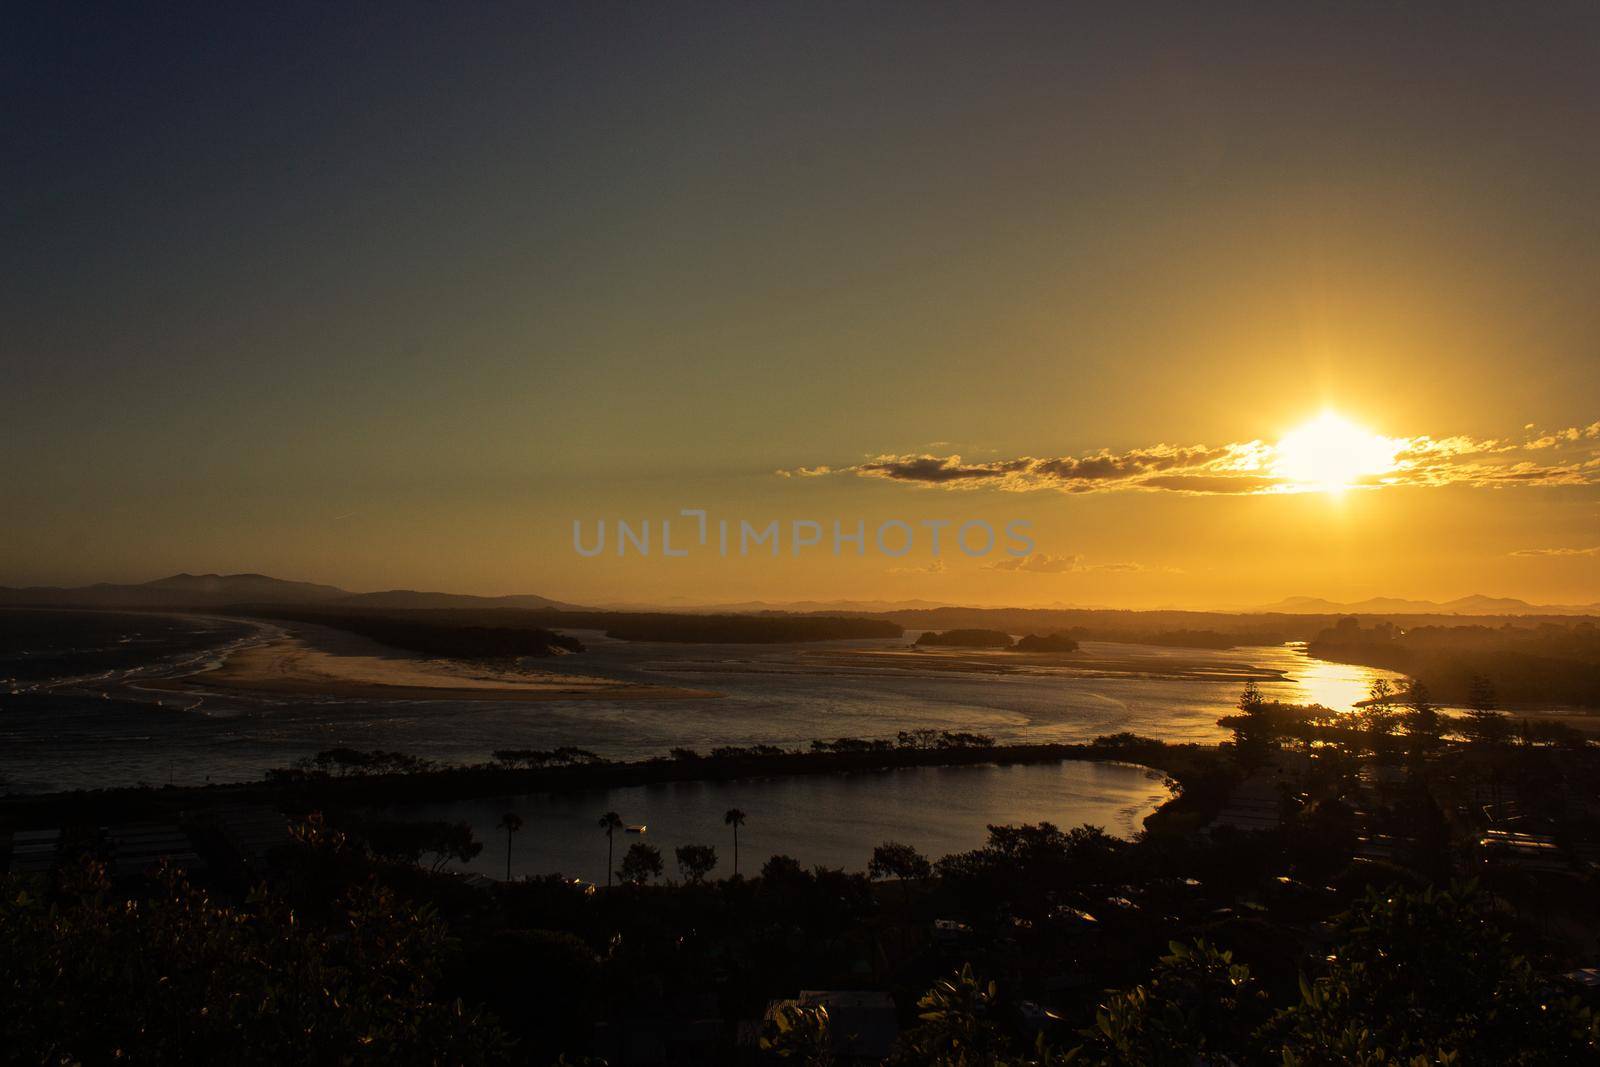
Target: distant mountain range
[679,605]
[411,598]
[1388,605]
[216,590]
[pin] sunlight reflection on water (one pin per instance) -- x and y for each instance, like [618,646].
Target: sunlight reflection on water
[1337,686]
[1334,685]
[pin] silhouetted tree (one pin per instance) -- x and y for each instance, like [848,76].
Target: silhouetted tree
[696,861]
[1423,726]
[894,860]
[640,863]
[963,739]
[510,822]
[610,822]
[1484,723]
[918,739]
[407,841]
[1378,716]
[528,758]
[1026,864]
[734,818]
[452,841]
[1252,728]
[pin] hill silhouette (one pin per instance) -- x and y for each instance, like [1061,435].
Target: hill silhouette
[1476,604]
[219,590]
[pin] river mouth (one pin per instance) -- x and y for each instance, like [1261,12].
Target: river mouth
[830,820]
[122,732]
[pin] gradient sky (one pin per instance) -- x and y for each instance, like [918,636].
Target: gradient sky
[388,295]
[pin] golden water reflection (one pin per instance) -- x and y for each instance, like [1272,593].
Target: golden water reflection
[1337,686]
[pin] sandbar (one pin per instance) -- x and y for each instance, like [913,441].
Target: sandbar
[305,660]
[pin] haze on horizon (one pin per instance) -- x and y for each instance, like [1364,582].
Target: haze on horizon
[388,297]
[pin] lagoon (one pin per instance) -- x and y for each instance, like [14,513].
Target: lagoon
[832,820]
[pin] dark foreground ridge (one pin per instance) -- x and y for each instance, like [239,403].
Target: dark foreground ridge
[1314,894]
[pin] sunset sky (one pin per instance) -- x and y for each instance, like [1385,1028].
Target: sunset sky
[386,296]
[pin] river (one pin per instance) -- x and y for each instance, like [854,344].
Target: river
[783,695]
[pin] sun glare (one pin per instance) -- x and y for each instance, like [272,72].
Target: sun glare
[1331,454]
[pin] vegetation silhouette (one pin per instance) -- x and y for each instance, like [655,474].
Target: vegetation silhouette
[610,822]
[510,822]
[695,862]
[735,818]
[1401,970]
[965,639]
[1524,666]
[177,976]
[640,864]
[895,860]
[1053,642]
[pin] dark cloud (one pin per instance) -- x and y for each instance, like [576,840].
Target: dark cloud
[937,470]
[1566,457]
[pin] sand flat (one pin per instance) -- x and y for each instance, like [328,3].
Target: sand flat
[307,660]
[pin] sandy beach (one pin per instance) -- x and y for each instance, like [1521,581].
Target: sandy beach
[307,660]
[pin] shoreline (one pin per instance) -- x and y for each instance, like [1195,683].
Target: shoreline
[1067,664]
[301,791]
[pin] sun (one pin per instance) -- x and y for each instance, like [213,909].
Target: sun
[1331,454]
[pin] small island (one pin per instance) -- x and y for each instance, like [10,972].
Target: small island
[1052,642]
[1056,642]
[965,639]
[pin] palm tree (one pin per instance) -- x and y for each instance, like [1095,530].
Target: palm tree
[735,819]
[610,822]
[510,822]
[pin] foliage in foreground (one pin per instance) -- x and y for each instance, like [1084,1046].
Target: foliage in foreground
[177,978]
[1430,976]
[1415,979]
[1404,977]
